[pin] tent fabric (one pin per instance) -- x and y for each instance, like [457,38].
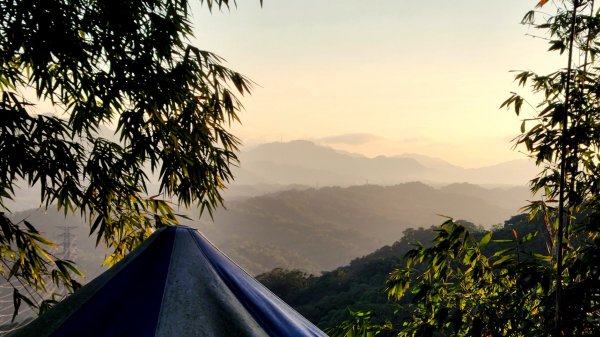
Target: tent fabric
[175,284]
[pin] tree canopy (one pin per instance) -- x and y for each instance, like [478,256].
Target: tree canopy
[101,63]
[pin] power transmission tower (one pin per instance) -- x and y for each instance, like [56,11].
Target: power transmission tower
[67,237]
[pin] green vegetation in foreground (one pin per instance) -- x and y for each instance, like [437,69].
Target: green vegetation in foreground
[459,286]
[329,299]
[130,64]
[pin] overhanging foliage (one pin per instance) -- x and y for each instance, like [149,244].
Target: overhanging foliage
[98,63]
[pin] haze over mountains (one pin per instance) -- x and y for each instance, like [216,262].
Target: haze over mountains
[307,206]
[320,229]
[303,162]
[315,229]
[301,205]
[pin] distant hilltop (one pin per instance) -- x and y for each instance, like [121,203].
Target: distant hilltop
[310,229]
[320,229]
[273,167]
[306,163]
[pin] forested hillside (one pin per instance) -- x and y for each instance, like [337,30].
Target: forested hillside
[327,299]
[320,229]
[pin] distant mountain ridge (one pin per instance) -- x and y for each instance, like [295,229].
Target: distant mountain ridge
[327,227]
[273,167]
[314,229]
[315,208]
[304,162]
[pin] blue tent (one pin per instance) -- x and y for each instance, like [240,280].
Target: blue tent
[175,284]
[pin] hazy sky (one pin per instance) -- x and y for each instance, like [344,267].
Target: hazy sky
[379,77]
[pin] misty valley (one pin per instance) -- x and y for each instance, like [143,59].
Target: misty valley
[325,249]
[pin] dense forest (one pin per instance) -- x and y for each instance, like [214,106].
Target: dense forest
[329,298]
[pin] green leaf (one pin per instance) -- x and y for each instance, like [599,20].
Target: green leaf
[16,304]
[502,252]
[528,237]
[541,257]
[30,227]
[485,240]
[503,260]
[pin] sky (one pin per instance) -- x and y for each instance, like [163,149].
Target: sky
[382,77]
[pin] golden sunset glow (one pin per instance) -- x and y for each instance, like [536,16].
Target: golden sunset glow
[420,77]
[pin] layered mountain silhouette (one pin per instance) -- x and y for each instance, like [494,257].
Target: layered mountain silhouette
[312,229]
[320,229]
[302,164]
[306,163]
[310,207]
